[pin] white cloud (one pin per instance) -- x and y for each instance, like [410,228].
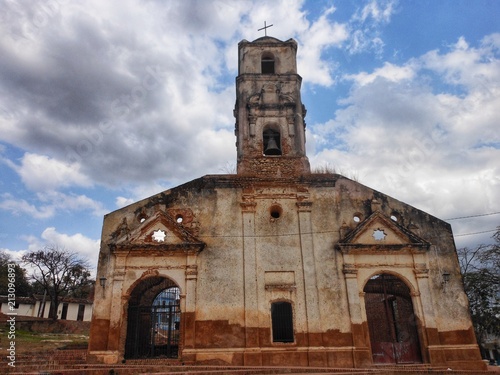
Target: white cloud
[365,26]
[472,114]
[90,111]
[22,207]
[379,11]
[403,135]
[321,35]
[71,202]
[51,203]
[78,243]
[390,72]
[492,40]
[463,65]
[14,255]
[362,41]
[42,173]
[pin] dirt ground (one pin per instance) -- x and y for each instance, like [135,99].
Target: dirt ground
[29,342]
[39,335]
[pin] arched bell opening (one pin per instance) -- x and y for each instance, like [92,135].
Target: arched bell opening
[271,142]
[391,321]
[153,320]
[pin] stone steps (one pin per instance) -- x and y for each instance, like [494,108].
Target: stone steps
[45,361]
[218,370]
[73,362]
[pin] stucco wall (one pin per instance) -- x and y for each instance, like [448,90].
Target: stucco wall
[252,258]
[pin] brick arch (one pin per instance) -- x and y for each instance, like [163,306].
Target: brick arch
[144,291]
[136,325]
[407,283]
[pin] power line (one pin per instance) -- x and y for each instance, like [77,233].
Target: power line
[314,233]
[332,231]
[467,217]
[470,234]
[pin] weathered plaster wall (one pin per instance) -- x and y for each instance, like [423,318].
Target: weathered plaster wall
[251,259]
[275,232]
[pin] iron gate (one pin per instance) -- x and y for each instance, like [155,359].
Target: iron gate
[153,331]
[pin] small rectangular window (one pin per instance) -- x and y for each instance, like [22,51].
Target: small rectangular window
[267,66]
[282,322]
[81,312]
[64,313]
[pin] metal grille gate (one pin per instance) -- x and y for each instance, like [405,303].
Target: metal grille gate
[153,331]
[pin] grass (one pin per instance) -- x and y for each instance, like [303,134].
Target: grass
[26,341]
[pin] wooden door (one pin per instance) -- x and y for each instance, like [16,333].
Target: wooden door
[391,321]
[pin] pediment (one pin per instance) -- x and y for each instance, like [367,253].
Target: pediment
[381,231]
[158,232]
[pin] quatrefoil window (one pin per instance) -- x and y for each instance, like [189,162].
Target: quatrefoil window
[379,234]
[159,235]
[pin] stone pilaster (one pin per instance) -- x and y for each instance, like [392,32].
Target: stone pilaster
[250,273]
[310,271]
[188,303]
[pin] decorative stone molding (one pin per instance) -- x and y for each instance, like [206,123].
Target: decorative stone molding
[286,287]
[304,206]
[249,206]
[421,270]
[350,269]
[118,275]
[191,272]
[150,272]
[165,267]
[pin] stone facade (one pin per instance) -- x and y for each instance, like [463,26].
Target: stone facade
[275,265]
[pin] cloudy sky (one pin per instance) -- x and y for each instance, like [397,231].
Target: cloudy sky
[103,103]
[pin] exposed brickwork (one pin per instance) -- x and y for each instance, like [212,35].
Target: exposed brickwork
[274,167]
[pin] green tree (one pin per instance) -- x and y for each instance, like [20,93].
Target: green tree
[58,272]
[23,287]
[481,276]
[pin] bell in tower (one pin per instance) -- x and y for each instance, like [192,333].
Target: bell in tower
[270,127]
[270,144]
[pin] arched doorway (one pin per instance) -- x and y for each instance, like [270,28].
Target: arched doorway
[391,321]
[153,320]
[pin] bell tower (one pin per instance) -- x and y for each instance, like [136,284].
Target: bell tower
[270,127]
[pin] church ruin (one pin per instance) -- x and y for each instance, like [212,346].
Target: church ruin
[275,265]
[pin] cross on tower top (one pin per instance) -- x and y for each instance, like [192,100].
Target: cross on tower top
[265,28]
